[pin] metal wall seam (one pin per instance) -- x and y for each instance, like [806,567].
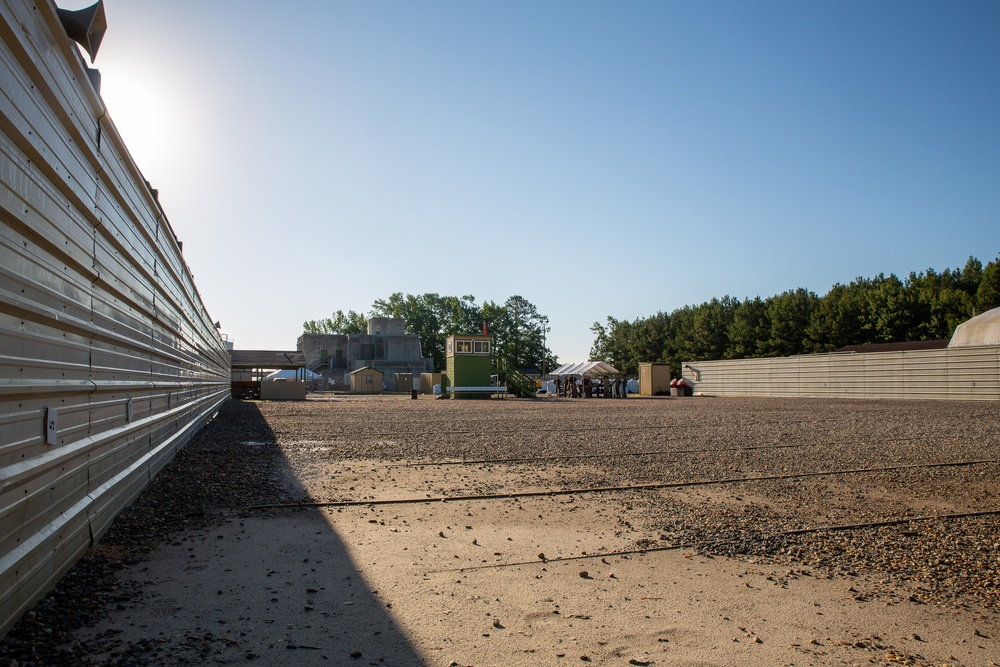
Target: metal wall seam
[109,362]
[971,373]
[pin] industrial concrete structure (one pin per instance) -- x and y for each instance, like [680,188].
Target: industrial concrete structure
[109,361]
[386,347]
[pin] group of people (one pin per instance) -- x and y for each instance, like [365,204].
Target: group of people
[571,386]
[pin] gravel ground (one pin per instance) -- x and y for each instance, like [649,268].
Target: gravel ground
[265,453]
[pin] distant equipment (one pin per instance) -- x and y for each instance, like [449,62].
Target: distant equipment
[86,26]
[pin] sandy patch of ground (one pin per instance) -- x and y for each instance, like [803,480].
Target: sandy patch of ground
[503,582]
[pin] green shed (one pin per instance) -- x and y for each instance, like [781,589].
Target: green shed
[469,362]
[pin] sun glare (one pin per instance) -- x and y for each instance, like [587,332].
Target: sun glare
[152,124]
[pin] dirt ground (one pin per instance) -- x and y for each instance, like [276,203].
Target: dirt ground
[613,577]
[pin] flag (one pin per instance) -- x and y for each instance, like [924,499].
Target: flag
[485,333]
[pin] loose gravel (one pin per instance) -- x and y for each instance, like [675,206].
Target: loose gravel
[271,453]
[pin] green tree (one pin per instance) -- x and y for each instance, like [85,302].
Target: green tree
[423,315]
[350,322]
[624,344]
[988,292]
[971,276]
[883,309]
[790,314]
[516,328]
[939,302]
[837,320]
[518,333]
[748,330]
[649,340]
[711,322]
[681,345]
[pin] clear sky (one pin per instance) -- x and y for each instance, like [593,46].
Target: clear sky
[596,158]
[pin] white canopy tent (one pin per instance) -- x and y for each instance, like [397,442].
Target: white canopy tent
[586,368]
[292,374]
[983,329]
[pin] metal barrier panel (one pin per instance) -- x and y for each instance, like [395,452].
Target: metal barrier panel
[109,362]
[970,373]
[965,374]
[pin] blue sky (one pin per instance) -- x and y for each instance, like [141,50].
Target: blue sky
[595,158]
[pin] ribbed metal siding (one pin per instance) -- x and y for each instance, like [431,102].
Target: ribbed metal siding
[100,320]
[966,374]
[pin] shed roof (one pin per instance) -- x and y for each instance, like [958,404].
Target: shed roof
[293,374]
[367,368]
[897,347]
[983,329]
[586,368]
[266,359]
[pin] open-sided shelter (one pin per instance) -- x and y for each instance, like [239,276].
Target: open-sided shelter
[587,368]
[249,369]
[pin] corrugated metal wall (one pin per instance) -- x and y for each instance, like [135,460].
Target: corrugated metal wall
[109,361]
[966,374]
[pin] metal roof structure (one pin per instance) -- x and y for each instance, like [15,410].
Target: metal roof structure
[253,359]
[983,329]
[293,374]
[896,347]
[586,368]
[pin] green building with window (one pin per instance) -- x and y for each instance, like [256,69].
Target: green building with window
[468,362]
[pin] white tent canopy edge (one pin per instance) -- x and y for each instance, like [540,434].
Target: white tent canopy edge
[586,368]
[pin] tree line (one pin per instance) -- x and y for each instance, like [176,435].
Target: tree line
[516,329]
[884,309]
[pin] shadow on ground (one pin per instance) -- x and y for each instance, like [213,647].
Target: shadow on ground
[188,575]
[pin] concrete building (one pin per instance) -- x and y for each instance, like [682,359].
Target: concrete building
[386,347]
